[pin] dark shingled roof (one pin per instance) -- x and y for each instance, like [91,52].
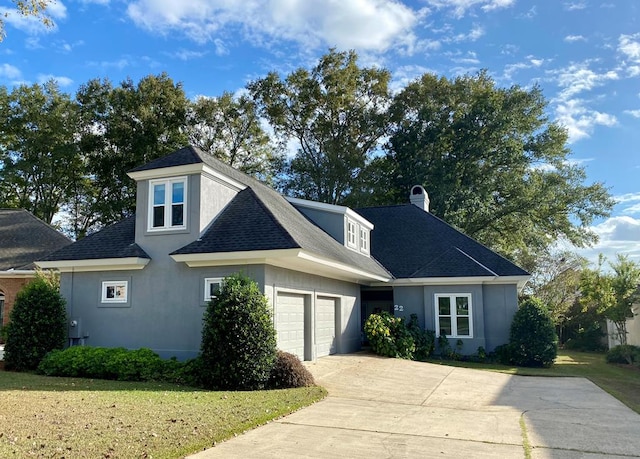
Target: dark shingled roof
[412,243]
[25,239]
[115,241]
[259,218]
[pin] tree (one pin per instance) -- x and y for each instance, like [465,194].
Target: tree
[39,159]
[335,113]
[612,294]
[493,164]
[229,129]
[38,324]
[121,128]
[238,337]
[29,8]
[532,338]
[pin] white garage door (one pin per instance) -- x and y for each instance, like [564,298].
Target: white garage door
[326,326]
[290,323]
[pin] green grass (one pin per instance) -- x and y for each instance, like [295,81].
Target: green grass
[80,418]
[621,381]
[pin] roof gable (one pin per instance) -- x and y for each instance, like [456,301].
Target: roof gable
[412,243]
[25,238]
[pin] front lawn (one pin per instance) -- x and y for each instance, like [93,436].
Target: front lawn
[623,382]
[81,418]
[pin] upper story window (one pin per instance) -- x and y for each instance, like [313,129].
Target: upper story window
[453,315]
[167,203]
[364,240]
[352,235]
[115,291]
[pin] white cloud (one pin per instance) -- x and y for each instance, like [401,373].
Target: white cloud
[629,45]
[579,120]
[119,64]
[474,34]
[404,75]
[187,55]
[634,113]
[10,72]
[531,62]
[459,8]
[367,25]
[574,6]
[61,80]
[577,78]
[617,235]
[574,38]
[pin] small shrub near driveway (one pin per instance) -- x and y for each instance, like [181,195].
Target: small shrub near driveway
[532,340]
[289,372]
[390,336]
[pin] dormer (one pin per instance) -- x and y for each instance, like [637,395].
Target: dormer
[177,198]
[340,222]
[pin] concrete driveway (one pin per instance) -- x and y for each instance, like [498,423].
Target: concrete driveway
[384,408]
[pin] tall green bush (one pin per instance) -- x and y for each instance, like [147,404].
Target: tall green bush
[388,336]
[38,324]
[238,337]
[533,341]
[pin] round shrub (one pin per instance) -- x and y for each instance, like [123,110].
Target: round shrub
[238,338]
[38,325]
[532,341]
[289,372]
[388,336]
[624,353]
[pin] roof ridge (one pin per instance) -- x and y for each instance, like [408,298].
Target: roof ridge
[475,261]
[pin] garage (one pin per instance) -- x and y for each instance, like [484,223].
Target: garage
[290,320]
[325,326]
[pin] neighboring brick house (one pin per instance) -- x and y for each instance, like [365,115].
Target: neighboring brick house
[23,239]
[145,281]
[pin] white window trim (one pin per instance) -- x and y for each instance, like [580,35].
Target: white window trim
[107,284]
[454,316]
[352,244]
[207,283]
[167,205]
[364,240]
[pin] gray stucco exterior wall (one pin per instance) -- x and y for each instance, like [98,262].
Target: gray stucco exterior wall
[332,223]
[501,304]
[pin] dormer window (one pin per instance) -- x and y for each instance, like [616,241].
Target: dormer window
[352,235]
[364,240]
[167,203]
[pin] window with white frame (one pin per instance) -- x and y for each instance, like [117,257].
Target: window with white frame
[352,235]
[211,287]
[453,315]
[167,203]
[115,291]
[364,240]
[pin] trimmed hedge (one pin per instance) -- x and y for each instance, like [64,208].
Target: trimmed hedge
[111,363]
[289,372]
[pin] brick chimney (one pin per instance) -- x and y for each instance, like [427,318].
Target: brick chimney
[419,197]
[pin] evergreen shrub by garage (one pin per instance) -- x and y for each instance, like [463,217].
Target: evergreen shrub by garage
[238,337]
[38,325]
[289,372]
[533,341]
[625,353]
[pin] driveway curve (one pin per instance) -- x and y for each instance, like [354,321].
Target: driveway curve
[391,408]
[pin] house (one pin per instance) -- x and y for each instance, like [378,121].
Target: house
[23,239]
[633,329]
[145,282]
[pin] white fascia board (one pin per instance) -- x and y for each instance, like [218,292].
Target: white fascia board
[18,273]
[187,169]
[335,209]
[100,264]
[294,259]
[195,260]
[469,280]
[165,172]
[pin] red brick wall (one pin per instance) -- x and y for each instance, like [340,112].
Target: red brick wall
[10,287]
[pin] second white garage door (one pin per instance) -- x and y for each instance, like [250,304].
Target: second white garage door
[290,323]
[325,326]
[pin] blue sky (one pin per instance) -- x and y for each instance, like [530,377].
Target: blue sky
[585,55]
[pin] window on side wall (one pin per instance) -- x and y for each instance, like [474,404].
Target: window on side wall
[453,315]
[115,291]
[167,203]
[364,240]
[211,287]
[1,308]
